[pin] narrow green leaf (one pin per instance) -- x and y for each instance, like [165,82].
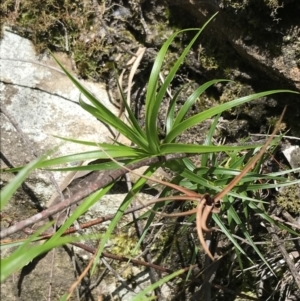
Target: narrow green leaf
[7,192]
[119,125]
[192,99]
[175,148]
[171,109]
[204,157]
[131,118]
[119,214]
[231,211]
[104,114]
[153,100]
[194,120]
[227,232]
[141,296]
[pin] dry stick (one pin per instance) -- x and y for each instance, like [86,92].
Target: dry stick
[75,284]
[293,224]
[134,261]
[116,274]
[75,269]
[51,274]
[236,293]
[88,224]
[102,180]
[143,263]
[285,136]
[287,216]
[273,230]
[124,258]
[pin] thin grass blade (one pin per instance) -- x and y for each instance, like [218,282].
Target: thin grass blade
[194,120]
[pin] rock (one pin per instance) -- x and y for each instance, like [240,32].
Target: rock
[43,102]
[263,35]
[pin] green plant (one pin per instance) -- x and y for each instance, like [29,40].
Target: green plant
[26,252]
[210,177]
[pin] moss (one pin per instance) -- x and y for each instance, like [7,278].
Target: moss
[272,122]
[236,4]
[297,51]
[69,26]
[273,4]
[208,61]
[231,91]
[124,244]
[289,198]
